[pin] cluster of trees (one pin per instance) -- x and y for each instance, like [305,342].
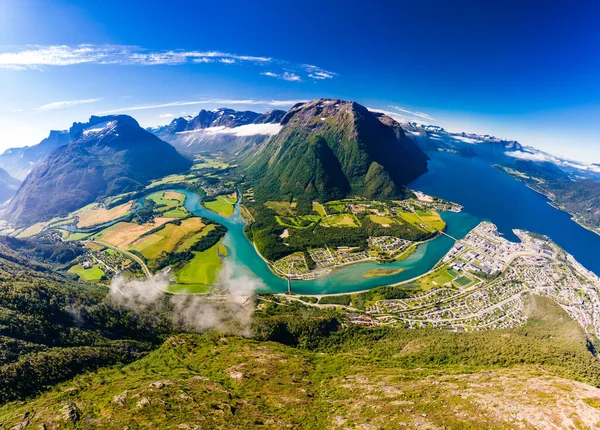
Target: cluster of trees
[52,328]
[44,249]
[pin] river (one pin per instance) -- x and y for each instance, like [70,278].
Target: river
[343,280]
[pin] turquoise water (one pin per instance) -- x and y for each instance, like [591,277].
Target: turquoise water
[487,193]
[346,279]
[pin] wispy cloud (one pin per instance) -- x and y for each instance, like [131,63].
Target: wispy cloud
[316,72]
[418,114]
[37,57]
[65,104]
[286,76]
[217,102]
[166,115]
[540,156]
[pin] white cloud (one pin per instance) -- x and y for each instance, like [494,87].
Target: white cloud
[286,76]
[65,104]
[540,156]
[243,130]
[316,72]
[167,115]
[37,57]
[218,102]
[412,113]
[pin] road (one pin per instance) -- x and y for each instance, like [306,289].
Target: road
[130,256]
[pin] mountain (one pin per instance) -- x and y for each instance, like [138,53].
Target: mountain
[8,185]
[19,161]
[220,130]
[329,149]
[303,371]
[433,137]
[109,155]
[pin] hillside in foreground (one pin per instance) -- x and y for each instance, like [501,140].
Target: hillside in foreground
[312,375]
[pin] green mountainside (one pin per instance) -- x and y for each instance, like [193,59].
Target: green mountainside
[108,155]
[302,370]
[52,328]
[328,149]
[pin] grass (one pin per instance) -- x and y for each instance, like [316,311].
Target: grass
[358,378]
[220,206]
[201,270]
[282,208]
[340,220]
[171,179]
[74,237]
[209,163]
[94,273]
[375,273]
[319,208]
[96,216]
[439,278]
[123,234]
[382,220]
[170,202]
[463,281]
[168,238]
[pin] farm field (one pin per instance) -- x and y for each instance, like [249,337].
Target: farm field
[171,179]
[340,220]
[282,208]
[169,203]
[197,275]
[94,273]
[221,205]
[168,238]
[319,208]
[99,215]
[382,220]
[433,220]
[209,163]
[123,234]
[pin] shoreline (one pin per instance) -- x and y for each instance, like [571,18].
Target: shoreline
[550,201]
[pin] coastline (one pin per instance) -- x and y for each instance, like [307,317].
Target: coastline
[551,201]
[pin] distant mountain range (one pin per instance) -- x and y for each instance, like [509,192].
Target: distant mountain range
[433,137]
[8,185]
[108,155]
[219,130]
[18,162]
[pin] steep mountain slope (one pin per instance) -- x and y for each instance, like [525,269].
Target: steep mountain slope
[8,185]
[52,328]
[329,149]
[220,130]
[19,161]
[109,155]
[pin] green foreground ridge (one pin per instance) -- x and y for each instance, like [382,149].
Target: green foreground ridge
[303,370]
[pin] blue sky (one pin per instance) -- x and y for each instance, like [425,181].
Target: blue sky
[522,70]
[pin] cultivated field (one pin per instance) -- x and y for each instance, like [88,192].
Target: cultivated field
[96,216]
[222,205]
[199,274]
[169,203]
[124,234]
[168,238]
[92,274]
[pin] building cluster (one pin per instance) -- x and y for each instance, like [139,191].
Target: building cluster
[533,266]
